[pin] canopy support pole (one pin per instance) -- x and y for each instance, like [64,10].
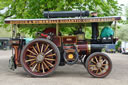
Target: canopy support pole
[12,30]
[115,28]
[57,29]
[12,37]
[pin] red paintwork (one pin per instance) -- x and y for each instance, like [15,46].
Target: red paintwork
[17,54]
[69,39]
[57,40]
[44,35]
[68,47]
[47,30]
[82,46]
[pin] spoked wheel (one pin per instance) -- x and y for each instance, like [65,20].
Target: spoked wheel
[99,65]
[40,57]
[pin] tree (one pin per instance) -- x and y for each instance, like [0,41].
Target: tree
[4,4]
[28,9]
[122,33]
[126,13]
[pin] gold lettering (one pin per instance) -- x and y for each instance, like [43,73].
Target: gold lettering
[40,22]
[85,20]
[21,22]
[46,21]
[34,22]
[29,22]
[52,21]
[113,19]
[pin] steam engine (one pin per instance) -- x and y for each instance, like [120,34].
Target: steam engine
[42,55]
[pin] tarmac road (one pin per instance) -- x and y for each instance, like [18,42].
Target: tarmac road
[66,75]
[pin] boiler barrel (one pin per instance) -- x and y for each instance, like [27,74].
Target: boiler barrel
[55,14]
[90,48]
[97,47]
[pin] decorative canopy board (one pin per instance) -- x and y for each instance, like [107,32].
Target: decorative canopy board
[62,20]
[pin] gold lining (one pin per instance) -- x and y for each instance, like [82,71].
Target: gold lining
[89,47]
[69,37]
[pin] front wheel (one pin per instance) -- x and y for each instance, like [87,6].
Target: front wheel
[98,65]
[40,57]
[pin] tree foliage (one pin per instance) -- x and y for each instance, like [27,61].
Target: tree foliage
[123,33]
[4,3]
[126,13]
[32,9]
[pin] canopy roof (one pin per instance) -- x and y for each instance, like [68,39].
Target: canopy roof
[62,20]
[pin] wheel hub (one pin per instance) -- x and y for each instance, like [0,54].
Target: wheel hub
[40,57]
[99,65]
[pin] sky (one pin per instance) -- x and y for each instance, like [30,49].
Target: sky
[125,2]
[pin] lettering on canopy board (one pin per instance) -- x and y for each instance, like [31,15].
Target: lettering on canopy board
[61,21]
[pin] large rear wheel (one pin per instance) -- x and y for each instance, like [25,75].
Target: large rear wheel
[98,65]
[40,57]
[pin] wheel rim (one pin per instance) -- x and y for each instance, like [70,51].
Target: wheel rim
[40,58]
[99,65]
